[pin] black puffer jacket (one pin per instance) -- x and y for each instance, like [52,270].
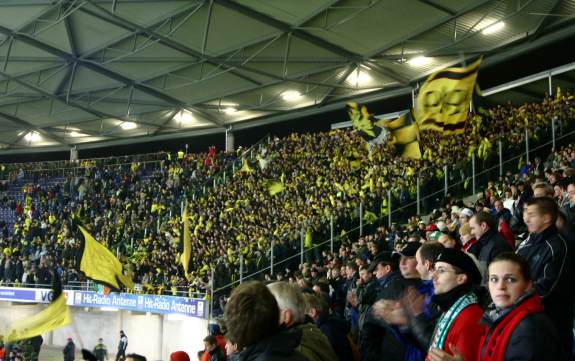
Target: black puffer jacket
[533,339]
[281,346]
[492,244]
[551,260]
[335,328]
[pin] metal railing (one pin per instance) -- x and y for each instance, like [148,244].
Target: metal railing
[502,159]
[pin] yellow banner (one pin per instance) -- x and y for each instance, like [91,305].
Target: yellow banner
[100,264]
[443,100]
[56,315]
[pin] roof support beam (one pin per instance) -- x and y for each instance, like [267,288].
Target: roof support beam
[430,27]
[19,121]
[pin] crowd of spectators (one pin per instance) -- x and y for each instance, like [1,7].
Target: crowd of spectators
[404,292]
[135,209]
[487,279]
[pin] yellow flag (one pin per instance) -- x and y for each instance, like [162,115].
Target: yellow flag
[187,246]
[443,100]
[56,315]
[246,167]
[405,136]
[99,263]
[274,187]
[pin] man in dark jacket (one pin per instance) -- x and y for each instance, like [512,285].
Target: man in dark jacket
[100,350]
[484,229]
[69,350]
[375,336]
[212,347]
[333,326]
[314,344]
[122,346]
[252,315]
[550,259]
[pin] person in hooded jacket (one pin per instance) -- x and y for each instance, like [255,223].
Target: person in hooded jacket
[314,344]
[252,315]
[333,326]
[516,326]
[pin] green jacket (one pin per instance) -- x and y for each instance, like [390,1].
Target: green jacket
[314,344]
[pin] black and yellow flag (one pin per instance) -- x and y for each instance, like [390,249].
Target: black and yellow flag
[56,315]
[99,264]
[405,136]
[443,100]
[366,124]
[187,242]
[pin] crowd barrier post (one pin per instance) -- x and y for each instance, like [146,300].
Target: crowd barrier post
[500,157]
[158,225]
[272,258]
[302,238]
[418,191]
[473,173]
[224,176]
[212,286]
[204,189]
[234,166]
[361,218]
[553,131]
[241,268]
[389,208]
[214,182]
[331,233]
[526,146]
[445,179]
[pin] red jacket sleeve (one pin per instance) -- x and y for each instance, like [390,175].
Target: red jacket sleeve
[465,333]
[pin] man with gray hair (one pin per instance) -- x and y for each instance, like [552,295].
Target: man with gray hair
[314,344]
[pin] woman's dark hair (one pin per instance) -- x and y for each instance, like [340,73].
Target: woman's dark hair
[518,260]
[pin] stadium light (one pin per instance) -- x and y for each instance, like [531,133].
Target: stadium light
[184,116]
[491,29]
[32,136]
[128,125]
[230,110]
[75,134]
[291,95]
[419,61]
[358,77]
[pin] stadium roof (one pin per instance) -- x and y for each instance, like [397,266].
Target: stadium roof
[83,72]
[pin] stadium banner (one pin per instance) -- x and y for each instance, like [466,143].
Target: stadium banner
[190,307]
[142,303]
[18,294]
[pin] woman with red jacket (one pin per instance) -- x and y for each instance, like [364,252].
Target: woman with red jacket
[515,325]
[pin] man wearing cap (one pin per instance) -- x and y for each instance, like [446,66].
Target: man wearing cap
[372,335]
[457,331]
[408,263]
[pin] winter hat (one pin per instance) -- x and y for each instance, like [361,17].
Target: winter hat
[179,356]
[461,260]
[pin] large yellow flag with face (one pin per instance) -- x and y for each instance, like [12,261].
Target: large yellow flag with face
[187,242]
[56,315]
[443,100]
[98,263]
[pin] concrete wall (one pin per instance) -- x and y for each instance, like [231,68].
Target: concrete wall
[154,336]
